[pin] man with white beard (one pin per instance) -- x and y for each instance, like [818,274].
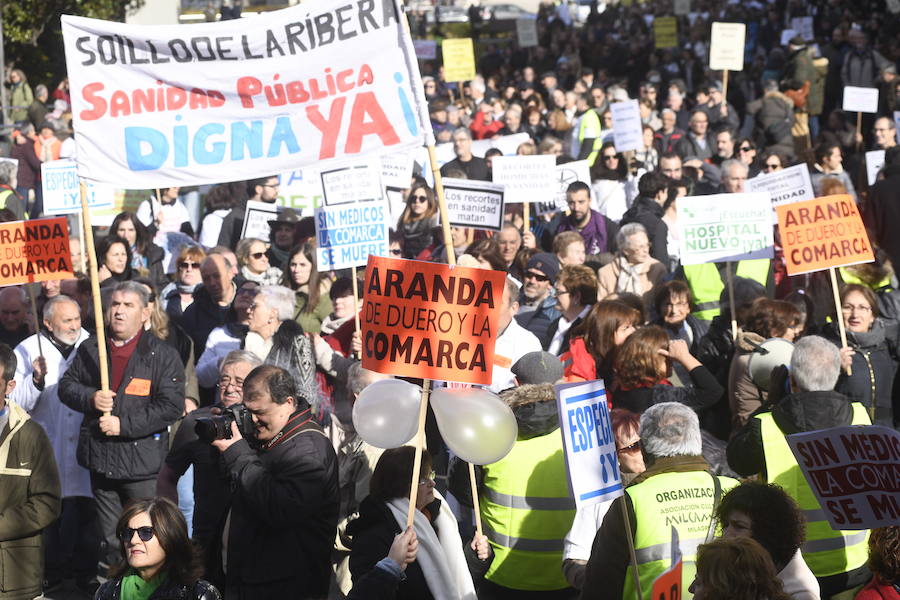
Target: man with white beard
[38,370]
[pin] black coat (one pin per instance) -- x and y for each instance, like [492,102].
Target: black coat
[704,392]
[649,213]
[200,590]
[881,212]
[202,316]
[284,511]
[140,448]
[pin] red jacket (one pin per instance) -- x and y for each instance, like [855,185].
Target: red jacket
[876,590]
[480,131]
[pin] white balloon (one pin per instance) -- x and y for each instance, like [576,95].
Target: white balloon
[476,424]
[386,414]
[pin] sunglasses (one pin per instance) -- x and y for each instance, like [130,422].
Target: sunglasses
[145,533]
[635,447]
[609,157]
[418,199]
[536,276]
[771,166]
[396,251]
[745,148]
[430,477]
[257,255]
[189,265]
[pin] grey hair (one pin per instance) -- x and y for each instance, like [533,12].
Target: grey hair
[815,364]
[671,429]
[667,111]
[50,305]
[40,89]
[462,131]
[359,378]
[280,298]
[240,356]
[731,163]
[627,231]
[478,84]
[242,250]
[20,292]
[8,170]
[133,287]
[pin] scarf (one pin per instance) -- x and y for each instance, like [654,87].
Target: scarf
[630,276]
[186,288]
[440,554]
[257,345]
[868,339]
[135,588]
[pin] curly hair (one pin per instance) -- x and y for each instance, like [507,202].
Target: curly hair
[638,360]
[884,553]
[737,568]
[775,519]
[772,318]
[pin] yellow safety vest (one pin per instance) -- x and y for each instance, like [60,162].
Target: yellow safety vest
[849,277]
[826,551]
[684,500]
[591,127]
[706,283]
[526,512]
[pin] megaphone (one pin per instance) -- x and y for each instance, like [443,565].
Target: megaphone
[772,353]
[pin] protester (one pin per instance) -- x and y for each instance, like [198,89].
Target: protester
[165,213]
[648,211]
[146,257]
[20,95]
[14,326]
[342,302]
[212,300]
[598,232]
[735,568]
[576,294]
[513,342]
[114,256]
[179,294]
[569,249]
[465,161]
[418,219]
[673,304]
[254,262]
[829,163]
[312,305]
[633,271]
[537,298]
[262,189]
[594,343]
[883,562]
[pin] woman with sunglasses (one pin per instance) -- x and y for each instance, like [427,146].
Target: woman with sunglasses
[745,151]
[610,178]
[179,294]
[253,259]
[772,161]
[418,219]
[160,561]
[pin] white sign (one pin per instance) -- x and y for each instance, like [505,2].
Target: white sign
[874,162]
[256,219]
[852,471]
[628,131]
[355,183]
[301,189]
[589,444]
[527,178]
[566,173]
[860,99]
[425,49]
[526,30]
[347,234]
[785,186]
[62,192]
[477,204]
[682,7]
[726,51]
[786,36]
[804,28]
[159,106]
[397,170]
[725,228]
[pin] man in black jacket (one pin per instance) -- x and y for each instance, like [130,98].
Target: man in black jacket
[124,432]
[279,532]
[648,211]
[212,300]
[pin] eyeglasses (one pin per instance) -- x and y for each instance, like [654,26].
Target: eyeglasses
[561,292]
[772,166]
[257,255]
[396,251]
[224,382]
[635,447]
[430,477]
[746,148]
[145,533]
[189,265]
[536,276]
[269,185]
[416,199]
[861,308]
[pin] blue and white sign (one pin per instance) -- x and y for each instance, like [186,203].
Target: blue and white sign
[590,446]
[347,234]
[62,193]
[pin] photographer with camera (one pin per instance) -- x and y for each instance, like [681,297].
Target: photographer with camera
[191,446]
[279,531]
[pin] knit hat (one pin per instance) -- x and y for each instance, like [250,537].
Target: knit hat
[538,367]
[546,263]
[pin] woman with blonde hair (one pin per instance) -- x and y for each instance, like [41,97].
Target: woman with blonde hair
[253,258]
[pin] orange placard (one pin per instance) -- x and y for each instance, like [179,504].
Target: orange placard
[138,387]
[668,585]
[822,233]
[36,250]
[430,320]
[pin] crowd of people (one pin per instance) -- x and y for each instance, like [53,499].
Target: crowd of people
[221,460]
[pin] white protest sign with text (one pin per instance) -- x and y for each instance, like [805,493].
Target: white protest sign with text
[860,99]
[874,162]
[242,97]
[628,131]
[526,31]
[785,186]
[853,473]
[725,227]
[347,234]
[477,204]
[256,220]
[62,192]
[397,170]
[588,442]
[726,52]
[355,183]
[301,189]
[527,178]
[804,28]
[681,7]
[566,174]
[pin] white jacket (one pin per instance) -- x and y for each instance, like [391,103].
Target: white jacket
[514,343]
[61,423]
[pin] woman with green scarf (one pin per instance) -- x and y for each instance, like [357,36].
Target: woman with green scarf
[160,561]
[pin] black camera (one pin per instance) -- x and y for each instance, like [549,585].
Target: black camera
[218,427]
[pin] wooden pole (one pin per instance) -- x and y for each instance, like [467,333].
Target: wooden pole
[725,88]
[81,239]
[475,500]
[838,314]
[470,235]
[442,205]
[37,319]
[417,461]
[526,216]
[634,565]
[356,301]
[858,130]
[95,291]
[730,280]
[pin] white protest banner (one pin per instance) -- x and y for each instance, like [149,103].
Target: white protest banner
[156,106]
[725,227]
[681,7]
[874,162]
[786,36]
[425,49]
[628,131]
[804,28]
[726,52]
[347,234]
[477,204]
[526,31]
[860,99]
[588,443]
[566,173]
[853,471]
[301,189]
[507,144]
[785,186]
[256,219]
[897,119]
[354,183]
[62,192]
[527,178]
[397,170]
